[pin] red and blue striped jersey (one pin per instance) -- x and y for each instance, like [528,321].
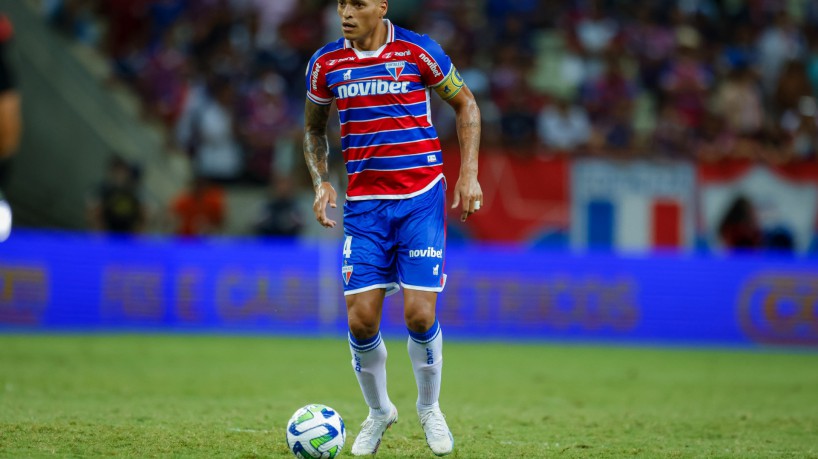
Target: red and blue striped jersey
[391,150]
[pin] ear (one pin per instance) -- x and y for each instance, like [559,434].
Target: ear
[384,8]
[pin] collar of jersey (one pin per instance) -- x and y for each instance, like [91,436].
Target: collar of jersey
[390,37]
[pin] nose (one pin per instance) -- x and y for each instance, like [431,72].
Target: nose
[344,11]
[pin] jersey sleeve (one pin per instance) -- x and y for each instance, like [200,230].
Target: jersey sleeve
[316,81]
[437,70]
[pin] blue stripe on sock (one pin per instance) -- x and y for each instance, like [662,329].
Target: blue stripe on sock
[366,344]
[429,335]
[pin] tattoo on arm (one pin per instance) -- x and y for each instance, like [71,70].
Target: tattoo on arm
[468,133]
[316,145]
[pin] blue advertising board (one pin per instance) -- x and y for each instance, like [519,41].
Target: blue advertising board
[71,282]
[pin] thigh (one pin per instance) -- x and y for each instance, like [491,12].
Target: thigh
[421,242]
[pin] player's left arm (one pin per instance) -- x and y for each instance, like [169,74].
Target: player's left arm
[467,190]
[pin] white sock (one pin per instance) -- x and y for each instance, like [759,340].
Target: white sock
[426,354]
[369,363]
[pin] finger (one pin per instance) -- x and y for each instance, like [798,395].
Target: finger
[320,211]
[469,205]
[332,202]
[473,206]
[456,200]
[326,222]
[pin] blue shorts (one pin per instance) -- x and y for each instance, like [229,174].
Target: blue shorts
[392,242]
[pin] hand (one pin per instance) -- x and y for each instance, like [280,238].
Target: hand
[469,192]
[324,194]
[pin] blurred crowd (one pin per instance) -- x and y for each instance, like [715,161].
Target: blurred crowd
[704,80]
[701,79]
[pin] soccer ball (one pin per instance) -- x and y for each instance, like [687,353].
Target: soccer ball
[316,432]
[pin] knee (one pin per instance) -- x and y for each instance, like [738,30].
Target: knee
[419,316]
[361,329]
[363,323]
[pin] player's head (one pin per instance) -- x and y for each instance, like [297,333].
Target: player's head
[360,18]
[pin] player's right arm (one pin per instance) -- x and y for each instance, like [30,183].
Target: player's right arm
[316,153]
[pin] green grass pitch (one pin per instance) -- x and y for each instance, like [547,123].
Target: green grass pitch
[210,396]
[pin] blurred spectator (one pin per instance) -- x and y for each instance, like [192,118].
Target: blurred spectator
[740,51]
[687,79]
[739,228]
[793,84]
[210,136]
[652,42]
[812,59]
[519,121]
[117,206]
[616,135]
[10,115]
[802,126]
[280,214]
[265,118]
[199,210]
[270,17]
[563,126]
[164,79]
[604,95]
[127,34]
[164,15]
[773,146]
[74,18]
[501,8]
[739,101]
[714,142]
[475,76]
[506,78]
[672,136]
[512,31]
[780,42]
[595,31]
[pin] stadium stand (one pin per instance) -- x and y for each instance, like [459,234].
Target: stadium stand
[702,82]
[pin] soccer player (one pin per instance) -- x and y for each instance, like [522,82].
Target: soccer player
[381,78]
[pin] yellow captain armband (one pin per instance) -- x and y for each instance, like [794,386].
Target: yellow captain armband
[450,85]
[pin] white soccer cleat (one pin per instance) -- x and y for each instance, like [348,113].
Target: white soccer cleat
[438,436]
[372,430]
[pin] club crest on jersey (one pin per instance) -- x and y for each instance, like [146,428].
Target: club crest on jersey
[395,68]
[346,271]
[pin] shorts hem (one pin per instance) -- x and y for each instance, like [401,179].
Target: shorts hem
[425,289]
[391,289]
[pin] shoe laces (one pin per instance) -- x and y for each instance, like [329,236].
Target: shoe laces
[435,423]
[369,427]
